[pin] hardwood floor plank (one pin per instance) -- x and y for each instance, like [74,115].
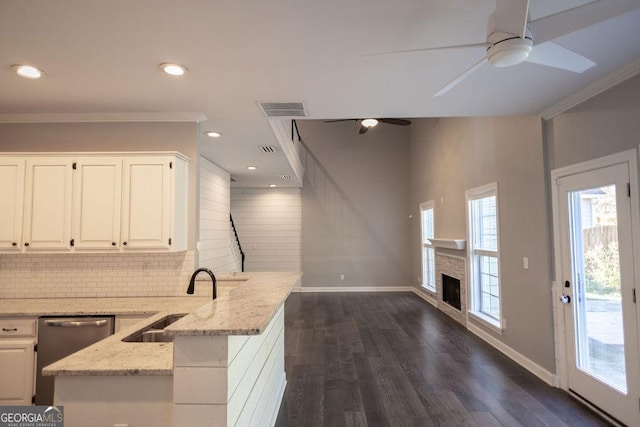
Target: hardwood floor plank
[355,419]
[390,359]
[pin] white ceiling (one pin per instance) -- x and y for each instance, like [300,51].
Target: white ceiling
[102,57]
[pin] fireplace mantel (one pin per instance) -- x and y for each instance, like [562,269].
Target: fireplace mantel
[457,244]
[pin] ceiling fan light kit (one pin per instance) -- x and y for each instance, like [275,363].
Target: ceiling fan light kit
[369,123]
[366,124]
[509,51]
[27,71]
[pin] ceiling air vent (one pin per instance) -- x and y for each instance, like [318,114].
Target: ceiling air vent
[286,176]
[269,149]
[283,109]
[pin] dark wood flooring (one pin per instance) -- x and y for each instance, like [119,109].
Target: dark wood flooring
[391,359]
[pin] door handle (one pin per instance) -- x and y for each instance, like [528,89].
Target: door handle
[75,323]
[565,299]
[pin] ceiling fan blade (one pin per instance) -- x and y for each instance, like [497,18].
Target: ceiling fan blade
[556,56]
[363,129]
[461,77]
[511,16]
[399,122]
[569,21]
[341,120]
[428,49]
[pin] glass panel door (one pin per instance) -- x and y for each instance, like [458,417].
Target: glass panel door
[598,282]
[595,260]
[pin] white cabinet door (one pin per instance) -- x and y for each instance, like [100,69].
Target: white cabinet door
[146,203]
[97,193]
[47,222]
[12,196]
[17,367]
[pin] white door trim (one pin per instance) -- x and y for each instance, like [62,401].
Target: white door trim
[629,157]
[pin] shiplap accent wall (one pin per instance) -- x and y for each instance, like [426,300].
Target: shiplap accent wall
[214,242]
[269,226]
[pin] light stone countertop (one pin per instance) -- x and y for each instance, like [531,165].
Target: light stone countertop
[245,305]
[246,310]
[34,307]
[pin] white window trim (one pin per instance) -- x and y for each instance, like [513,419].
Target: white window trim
[426,206]
[473,298]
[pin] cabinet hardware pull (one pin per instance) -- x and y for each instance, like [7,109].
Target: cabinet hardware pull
[14,244]
[9,329]
[124,243]
[113,243]
[72,242]
[26,243]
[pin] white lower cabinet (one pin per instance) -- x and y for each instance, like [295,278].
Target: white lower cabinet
[17,361]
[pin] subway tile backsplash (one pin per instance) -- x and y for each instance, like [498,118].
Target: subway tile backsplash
[95,275]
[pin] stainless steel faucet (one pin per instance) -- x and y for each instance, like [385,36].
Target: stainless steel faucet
[192,282]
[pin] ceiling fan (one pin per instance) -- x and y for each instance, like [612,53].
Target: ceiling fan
[366,124]
[510,36]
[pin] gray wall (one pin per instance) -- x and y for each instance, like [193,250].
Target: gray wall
[92,137]
[606,124]
[450,156]
[355,205]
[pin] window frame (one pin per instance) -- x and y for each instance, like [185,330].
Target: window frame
[426,246]
[475,254]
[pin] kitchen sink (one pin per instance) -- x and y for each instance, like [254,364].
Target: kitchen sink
[155,331]
[166,321]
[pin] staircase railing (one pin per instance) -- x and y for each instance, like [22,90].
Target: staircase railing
[235,233]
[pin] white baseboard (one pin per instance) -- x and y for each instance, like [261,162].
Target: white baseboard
[353,289]
[523,361]
[428,298]
[520,359]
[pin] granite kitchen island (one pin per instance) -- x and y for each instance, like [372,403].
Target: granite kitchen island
[224,367]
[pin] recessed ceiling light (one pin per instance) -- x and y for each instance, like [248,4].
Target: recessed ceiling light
[173,69]
[369,123]
[252,168]
[28,71]
[272,185]
[213,134]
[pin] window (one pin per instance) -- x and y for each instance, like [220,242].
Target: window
[484,255]
[428,253]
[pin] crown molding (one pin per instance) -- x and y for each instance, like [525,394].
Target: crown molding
[595,88]
[101,117]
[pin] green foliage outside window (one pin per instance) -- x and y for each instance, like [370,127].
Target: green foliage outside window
[602,270]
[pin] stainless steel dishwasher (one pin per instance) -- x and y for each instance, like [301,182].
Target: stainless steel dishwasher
[59,337]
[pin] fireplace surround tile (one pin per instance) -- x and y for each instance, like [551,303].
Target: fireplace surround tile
[455,267]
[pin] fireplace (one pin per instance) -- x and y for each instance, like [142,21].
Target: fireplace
[452,296]
[451,291]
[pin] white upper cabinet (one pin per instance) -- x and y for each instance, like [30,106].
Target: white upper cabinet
[47,220]
[153,212]
[12,196]
[97,192]
[89,202]
[146,212]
